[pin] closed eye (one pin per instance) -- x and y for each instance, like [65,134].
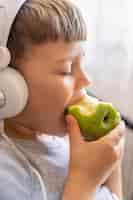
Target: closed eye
[66,73]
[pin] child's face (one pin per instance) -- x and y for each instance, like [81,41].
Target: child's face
[55,78]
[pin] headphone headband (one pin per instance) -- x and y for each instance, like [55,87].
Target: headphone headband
[8,12]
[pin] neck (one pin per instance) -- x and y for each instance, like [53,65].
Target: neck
[18,131]
[15,129]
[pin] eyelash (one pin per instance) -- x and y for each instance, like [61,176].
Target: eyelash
[66,73]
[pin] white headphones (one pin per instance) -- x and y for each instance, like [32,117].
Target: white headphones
[13,88]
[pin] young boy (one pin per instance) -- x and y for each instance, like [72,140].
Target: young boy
[46,43]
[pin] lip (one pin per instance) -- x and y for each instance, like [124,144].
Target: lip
[78,97]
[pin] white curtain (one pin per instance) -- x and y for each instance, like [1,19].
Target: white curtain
[109,55]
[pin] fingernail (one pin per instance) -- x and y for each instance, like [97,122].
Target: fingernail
[68,119]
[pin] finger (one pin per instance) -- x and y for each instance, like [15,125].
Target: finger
[116,134]
[73,128]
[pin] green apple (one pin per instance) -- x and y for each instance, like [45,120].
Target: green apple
[95,118]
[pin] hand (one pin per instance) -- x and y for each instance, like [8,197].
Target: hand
[93,162]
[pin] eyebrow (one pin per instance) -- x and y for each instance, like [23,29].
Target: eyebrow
[67,58]
[64,59]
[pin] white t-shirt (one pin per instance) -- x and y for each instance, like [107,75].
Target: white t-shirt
[30,169]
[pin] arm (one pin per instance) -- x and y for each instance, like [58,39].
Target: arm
[76,187]
[114,182]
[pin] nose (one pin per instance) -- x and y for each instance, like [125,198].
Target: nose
[83,80]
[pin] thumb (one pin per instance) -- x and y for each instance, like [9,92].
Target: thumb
[73,128]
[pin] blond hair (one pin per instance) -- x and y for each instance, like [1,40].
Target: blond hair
[40,21]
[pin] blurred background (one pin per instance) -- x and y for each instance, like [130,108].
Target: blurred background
[109,62]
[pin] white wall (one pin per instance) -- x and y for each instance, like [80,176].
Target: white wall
[110,51]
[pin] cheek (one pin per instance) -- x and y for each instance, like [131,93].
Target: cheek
[62,91]
[52,94]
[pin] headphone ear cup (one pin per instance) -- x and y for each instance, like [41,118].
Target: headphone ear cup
[5,57]
[15,92]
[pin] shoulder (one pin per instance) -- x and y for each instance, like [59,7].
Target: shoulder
[15,177]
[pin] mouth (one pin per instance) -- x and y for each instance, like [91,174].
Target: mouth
[76,100]
[78,97]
